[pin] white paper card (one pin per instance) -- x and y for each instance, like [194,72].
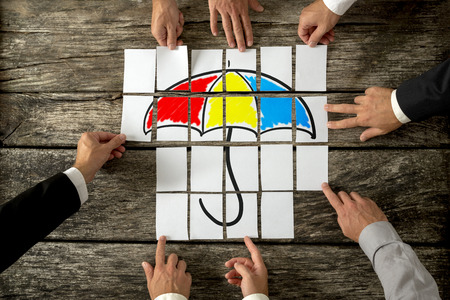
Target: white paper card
[248,224]
[171,169]
[276,69]
[277,215]
[172,119]
[311,68]
[319,120]
[139,71]
[276,167]
[202,227]
[205,61]
[242,168]
[312,167]
[206,169]
[134,120]
[276,119]
[206,119]
[171,216]
[241,70]
[172,67]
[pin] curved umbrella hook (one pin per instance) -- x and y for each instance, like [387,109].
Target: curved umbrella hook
[236,188]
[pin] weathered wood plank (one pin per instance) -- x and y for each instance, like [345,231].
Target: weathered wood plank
[57,120]
[85,271]
[76,46]
[411,186]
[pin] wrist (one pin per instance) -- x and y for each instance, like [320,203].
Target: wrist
[87,177]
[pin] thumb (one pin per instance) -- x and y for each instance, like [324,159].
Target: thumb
[241,269]
[116,141]
[254,4]
[316,36]
[148,269]
[370,133]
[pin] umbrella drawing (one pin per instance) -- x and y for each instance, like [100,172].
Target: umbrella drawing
[241,112]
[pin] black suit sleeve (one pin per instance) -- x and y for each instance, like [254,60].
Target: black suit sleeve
[426,95]
[31,216]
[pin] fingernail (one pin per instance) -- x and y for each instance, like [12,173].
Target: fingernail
[249,43]
[237,264]
[324,184]
[312,44]
[241,49]
[123,137]
[329,124]
[172,47]
[214,33]
[326,107]
[363,138]
[143,264]
[260,8]
[162,238]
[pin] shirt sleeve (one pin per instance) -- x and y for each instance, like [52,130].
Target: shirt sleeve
[256,297]
[78,181]
[401,117]
[171,296]
[339,7]
[401,273]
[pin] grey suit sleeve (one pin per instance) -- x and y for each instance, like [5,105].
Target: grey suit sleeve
[401,273]
[426,95]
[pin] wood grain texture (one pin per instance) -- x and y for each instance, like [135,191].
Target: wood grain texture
[61,73]
[78,45]
[113,271]
[122,197]
[58,119]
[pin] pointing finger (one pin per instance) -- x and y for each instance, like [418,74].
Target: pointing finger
[332,197]
[238,32]
[255,254]
[171,37]
[160,256]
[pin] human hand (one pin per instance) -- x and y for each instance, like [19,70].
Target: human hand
[354,212]
[96,148]
[374,110]
[167,23]
[167,278]
[316,24]
[237,11]
[249,274]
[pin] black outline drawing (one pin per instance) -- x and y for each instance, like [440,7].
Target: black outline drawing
[312,133]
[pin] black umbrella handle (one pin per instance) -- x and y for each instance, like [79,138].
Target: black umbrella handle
[236,188]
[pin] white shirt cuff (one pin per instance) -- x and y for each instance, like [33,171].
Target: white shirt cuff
[376,235]
[256,297]
[397,110]
[78,181]
[171,296]
[339,7]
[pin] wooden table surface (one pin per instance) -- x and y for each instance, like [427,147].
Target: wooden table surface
[61,73]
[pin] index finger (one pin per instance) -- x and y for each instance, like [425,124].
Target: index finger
[254,252]
[238,32]
[171,37]
[160,256]
[303,32]
[334,200]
